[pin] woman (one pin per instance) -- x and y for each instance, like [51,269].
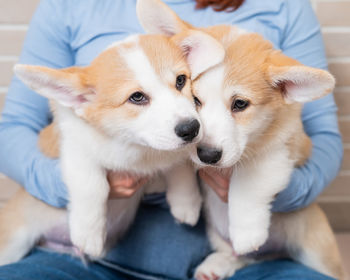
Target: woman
[72,32]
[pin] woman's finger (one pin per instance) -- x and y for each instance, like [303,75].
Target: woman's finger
[121,192]
[222,177]
[220,180]
[220,191]
[126,187]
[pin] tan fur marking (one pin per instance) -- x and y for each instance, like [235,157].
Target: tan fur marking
[300,147]
[21,208]
[49,141]
[158,47]
[223,33]
[112,88]
[11,218]
[309,236]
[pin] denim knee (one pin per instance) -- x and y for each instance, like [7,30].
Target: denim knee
[277,270]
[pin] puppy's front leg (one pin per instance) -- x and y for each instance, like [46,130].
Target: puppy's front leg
[183,193]
[252,188]
[88,190]
[220,264]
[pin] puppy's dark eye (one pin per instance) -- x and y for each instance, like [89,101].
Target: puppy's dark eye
[180,82]
[239,105]
[197,101]
[138,98]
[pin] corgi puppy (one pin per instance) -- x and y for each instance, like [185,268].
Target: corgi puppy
[131,110]
[250,109]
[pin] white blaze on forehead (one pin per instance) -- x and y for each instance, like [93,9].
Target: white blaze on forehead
[219,127]
[210,85]
[210,91]
[138,62]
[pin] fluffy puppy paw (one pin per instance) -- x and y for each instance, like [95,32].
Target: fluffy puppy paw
[187,212]
[248,240]
[217,266]
[186,215]
[89,238]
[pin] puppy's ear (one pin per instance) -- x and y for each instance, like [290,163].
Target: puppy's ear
[297,82]
[202,51]
[66,86]
[157,18]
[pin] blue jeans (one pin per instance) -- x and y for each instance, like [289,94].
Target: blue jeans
[155,248]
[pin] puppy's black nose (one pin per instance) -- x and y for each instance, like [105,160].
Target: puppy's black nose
[209,155]
[187,130]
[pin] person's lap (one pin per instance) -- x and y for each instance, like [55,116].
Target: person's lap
[155,248]
[42,265]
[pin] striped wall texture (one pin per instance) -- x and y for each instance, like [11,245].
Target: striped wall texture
[335,20]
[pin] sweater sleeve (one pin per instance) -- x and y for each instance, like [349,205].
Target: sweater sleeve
[26,113]
[303,41]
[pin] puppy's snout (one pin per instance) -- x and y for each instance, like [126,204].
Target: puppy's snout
[187,130]
[209,155]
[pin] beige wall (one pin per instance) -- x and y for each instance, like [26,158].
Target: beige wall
[335,19]
[14,17]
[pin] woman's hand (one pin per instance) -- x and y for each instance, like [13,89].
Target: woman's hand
[219,181]
[124,185]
